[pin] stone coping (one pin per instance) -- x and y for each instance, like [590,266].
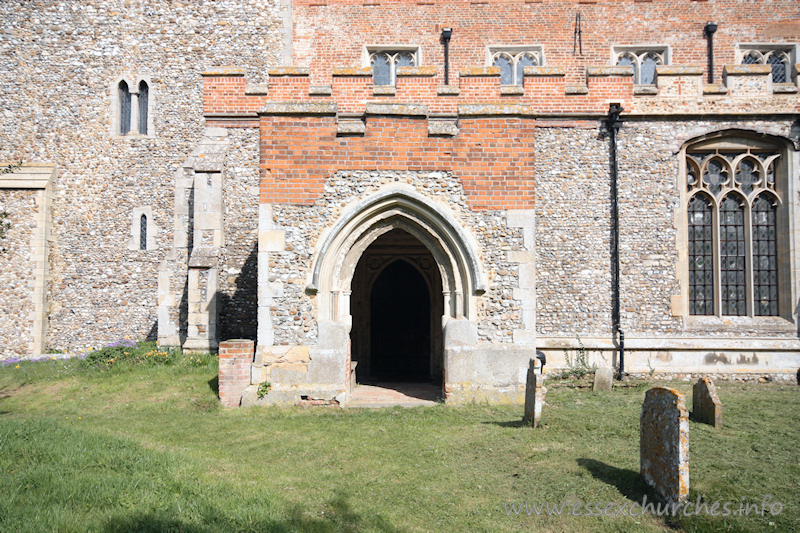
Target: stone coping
[715,88]
[256,89]
[320,90]
[576,89]
[224,71]
[784,88]
[298,108]
[384,90]
[416,71]
[542,71]
[373,108]
[288,71]
[744,70]
[679,70]
[512,90]
[645,90]
[352,71]
[448,90]
[479,71]
[618,70]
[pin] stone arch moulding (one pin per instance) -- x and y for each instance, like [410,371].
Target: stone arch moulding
[362,223]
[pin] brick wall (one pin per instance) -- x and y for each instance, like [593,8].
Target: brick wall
[493,157]
[235,358]
[332,33]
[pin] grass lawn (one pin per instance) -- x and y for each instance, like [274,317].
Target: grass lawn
[149,448]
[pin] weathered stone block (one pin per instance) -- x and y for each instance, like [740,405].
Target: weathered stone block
[664,443]
[534,394]
[603,379]
[706,406]
[271,240]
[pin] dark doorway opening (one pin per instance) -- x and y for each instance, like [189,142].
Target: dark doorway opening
[397,306]
[400,320]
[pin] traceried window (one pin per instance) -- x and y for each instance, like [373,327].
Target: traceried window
[732,211]
[512,61]
[643,60]
[384,63]
[780,58]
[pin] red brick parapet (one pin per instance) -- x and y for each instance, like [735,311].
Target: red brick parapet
[235,359]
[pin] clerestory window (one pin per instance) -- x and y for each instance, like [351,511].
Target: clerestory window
[512,61]
[780,57]
[384,62]
[644,61]
[734,202]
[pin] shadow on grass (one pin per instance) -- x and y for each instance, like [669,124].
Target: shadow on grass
[627,481]
[509,424]
[213,383]
[338,516]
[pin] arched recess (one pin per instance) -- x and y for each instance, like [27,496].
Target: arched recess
[397,208]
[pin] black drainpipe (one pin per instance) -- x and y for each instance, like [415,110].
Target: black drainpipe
[446,34]
[708,31]
[612,126]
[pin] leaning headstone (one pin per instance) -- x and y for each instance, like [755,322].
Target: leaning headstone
[664,443]
[603,379]
[706,406]
[534,394]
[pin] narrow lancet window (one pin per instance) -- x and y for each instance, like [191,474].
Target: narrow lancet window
[124,108]
[143,232]
[144,92]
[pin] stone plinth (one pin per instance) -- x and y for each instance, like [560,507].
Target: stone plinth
[664,443]
[534,394]
[706,406]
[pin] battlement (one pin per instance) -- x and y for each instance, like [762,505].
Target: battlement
[679,89]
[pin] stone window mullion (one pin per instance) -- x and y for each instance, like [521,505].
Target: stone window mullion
[748,259]
[715,217]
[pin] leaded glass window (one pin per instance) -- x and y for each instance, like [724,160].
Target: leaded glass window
[732,211]
[732,256]
[143,232]
[512,63]
[701,256]
[779,59]
[384,64]
[765,256]
[644,63]
[144,94]
[124,108]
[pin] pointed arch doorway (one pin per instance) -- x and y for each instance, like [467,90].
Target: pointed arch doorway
[397,308]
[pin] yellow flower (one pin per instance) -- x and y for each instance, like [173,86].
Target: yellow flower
[16,366]
[79,418]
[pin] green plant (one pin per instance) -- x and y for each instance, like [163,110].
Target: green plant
[578,366]
[263,389]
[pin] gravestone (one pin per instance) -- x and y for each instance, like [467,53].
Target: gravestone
[603,379]
[706,406]
[534,394]
[664,443]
